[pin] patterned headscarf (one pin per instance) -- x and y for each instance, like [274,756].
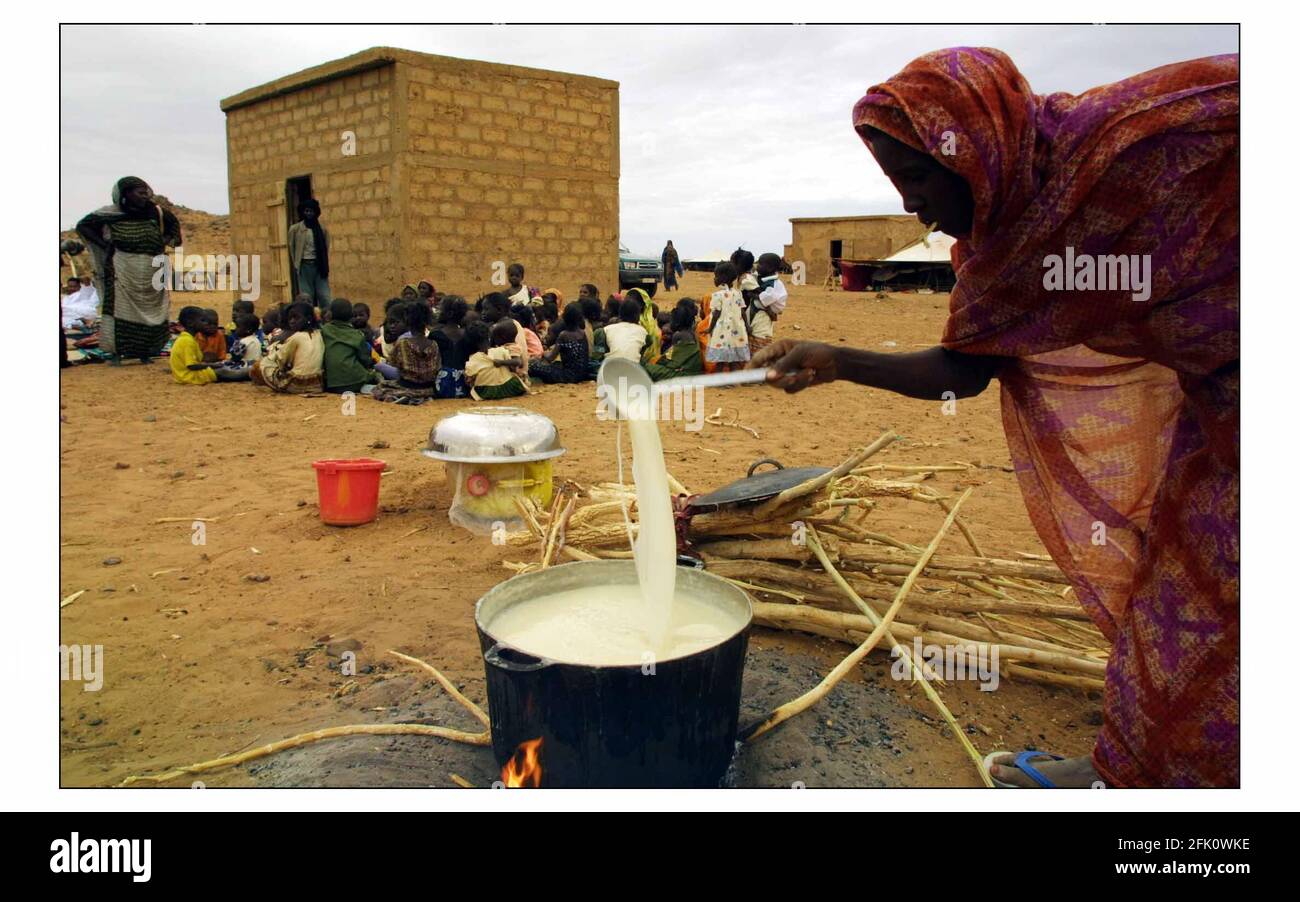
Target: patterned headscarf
[1147,165]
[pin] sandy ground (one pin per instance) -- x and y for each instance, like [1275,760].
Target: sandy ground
[199,661]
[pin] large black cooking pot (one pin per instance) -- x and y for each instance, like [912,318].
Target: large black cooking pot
[619,726]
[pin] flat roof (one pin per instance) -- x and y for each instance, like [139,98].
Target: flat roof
[377,57]
[893,216]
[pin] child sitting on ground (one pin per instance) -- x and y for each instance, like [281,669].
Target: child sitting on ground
[728,347]
[588,291]
[414,358]
[647,320]
[361,322]
[570,347]
[294,364]
[683,357]
[348,364]
[523,315]
[548,314]
[212,341]
[627,338]
[493,372]
[493,307]
[271,326]
[186,357]
[245,352]
[449,334]
[612,303]
[594,314]
[237,309]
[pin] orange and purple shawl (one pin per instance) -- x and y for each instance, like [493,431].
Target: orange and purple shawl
[1121,414]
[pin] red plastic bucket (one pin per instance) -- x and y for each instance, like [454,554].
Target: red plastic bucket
[348,489]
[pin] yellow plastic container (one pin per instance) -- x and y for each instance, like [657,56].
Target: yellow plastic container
[493,456]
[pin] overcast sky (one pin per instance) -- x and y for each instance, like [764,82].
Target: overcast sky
[727,132]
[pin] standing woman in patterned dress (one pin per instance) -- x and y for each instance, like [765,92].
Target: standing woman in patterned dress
[1120,402]
[124,238]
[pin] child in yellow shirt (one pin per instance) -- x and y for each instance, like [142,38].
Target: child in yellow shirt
[186,356]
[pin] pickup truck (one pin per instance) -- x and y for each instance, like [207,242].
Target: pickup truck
[635,271]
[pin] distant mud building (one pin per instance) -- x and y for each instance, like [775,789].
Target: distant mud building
[428,167]
[818,241]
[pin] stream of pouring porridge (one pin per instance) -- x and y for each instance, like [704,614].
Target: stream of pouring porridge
[611,625]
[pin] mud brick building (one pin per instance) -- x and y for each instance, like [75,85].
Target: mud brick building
[819,240]
[428,167]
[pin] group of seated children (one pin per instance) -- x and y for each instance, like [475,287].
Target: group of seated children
[432,346]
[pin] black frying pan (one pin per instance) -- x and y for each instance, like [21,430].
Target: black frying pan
[754,489]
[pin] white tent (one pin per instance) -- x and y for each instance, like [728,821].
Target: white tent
[939,251]
[713,257]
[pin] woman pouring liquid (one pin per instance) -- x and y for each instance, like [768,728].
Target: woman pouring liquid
[1120,398]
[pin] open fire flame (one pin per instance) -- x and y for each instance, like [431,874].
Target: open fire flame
[524,769]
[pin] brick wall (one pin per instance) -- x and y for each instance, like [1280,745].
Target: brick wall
[459,164]
[500,166]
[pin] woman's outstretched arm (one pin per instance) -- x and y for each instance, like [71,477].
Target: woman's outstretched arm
[927,374]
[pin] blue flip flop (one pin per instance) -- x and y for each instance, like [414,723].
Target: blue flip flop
[1021,762]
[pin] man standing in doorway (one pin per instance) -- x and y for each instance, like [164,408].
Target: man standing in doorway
[309,252]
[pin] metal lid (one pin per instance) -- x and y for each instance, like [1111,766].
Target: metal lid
[494,435]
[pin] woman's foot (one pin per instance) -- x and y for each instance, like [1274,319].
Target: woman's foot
[1067,773]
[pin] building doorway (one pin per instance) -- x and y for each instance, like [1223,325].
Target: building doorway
[296,191]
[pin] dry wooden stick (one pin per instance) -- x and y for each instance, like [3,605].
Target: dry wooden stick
[71,598]
[898,468]
[1055,679]
[768,590]
[931,601]
[817,483]
[556,540]
[375,729]
[815,545]
[187,520]
[369,729]
[855,628]
[961,526]
[810,698]
[592,511]
[479,714]
[917,672]
[526,514]
[1067,640]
